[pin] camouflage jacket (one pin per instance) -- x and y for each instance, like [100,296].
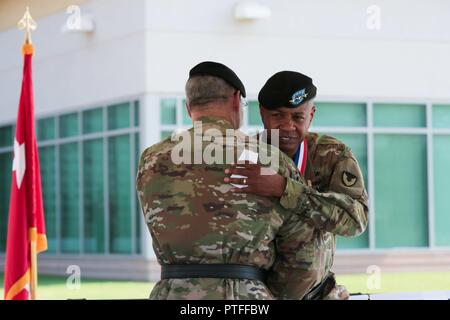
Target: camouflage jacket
[337,203]
[194,219]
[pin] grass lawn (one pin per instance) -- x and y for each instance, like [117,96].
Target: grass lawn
[55,287]
[397,282]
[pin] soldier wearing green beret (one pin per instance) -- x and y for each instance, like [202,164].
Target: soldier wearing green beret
[336,196]
[213,243]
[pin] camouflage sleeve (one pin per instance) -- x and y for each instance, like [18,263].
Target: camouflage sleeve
[294,271]
[342,210]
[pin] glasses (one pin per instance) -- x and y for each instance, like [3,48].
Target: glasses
[244,103]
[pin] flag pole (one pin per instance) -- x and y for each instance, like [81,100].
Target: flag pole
[33,252]
[28,24]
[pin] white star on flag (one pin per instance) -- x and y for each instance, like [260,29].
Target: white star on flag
[19,162]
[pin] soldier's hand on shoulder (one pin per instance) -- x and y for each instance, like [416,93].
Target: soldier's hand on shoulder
[256,180]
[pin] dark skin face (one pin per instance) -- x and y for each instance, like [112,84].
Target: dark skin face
[293,124]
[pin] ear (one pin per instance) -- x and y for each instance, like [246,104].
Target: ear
[236,100]
[262,113]
[311,113]
[188,108]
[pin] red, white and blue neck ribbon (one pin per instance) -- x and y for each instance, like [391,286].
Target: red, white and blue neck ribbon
[300,156]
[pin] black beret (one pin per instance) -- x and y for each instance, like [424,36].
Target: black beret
[286,89]
[209,68]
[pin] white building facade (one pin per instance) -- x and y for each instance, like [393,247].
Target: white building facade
[103,96]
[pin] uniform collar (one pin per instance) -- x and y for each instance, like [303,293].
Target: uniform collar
[216,122]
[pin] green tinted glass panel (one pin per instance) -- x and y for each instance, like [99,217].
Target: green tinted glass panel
[5,187]
[94,228]
[401,191]
[93,120]
[399,115]
[119,116]
[168,111]
[254,117]
[46,129]
[69,189]
[6,136]
[340,114]
[119,194]
[138,210]
[47,160]
[441,116]
[441,152]
[186,119]
[165,134]
[68,125]
[358,144]
[136,113]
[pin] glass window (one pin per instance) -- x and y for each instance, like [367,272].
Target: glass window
[119,116]
[46,129]
[441,116]
[165,134]
[399,115]
[358,144]
[401,191]
[69,168]
[254,117]
[441,152]
[47,161]
[64,186]
[330,114]
[168,111]
[6,136]
[6,160]
[68,125]
[94,234]
[93,120]
[186,119]
[119,194]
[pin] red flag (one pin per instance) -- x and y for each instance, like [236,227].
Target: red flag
[26,227]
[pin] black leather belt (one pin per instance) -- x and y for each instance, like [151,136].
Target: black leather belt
[322,289]
[230,271]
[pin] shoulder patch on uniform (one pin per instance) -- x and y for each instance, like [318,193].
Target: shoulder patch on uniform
[326,139]
[325,142]
[348,179]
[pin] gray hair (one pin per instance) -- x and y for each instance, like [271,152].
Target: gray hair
[201,90]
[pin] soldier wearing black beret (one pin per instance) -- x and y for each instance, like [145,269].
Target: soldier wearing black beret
[334,194]
[212,243]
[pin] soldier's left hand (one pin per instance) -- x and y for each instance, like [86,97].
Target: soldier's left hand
[269,184]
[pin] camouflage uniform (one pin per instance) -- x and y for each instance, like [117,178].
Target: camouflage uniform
[337,205]
[194,219]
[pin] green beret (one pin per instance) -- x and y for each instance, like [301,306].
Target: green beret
[209,68]
[286,89]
